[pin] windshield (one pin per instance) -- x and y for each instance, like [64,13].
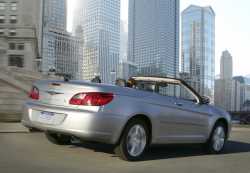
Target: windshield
[166,89]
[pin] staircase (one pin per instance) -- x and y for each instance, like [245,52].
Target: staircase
[15,84]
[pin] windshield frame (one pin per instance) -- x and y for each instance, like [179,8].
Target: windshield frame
[168,80]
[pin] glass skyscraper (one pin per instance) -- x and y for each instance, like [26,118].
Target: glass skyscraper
[55,14]
[61,52]
[100,23]
[198,48]
[53,17]
[153,38]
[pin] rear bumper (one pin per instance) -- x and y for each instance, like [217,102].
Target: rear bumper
[91,125]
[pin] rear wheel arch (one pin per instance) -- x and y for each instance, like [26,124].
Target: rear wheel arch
[127,146]
[143,117]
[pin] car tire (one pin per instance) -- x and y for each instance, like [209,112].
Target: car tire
[134,141]
[58,139]
[217,140]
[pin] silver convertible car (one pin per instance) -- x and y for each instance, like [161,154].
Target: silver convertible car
[152,110]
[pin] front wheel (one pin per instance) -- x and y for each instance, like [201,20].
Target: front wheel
[216,143]
[58,139]
[134,141]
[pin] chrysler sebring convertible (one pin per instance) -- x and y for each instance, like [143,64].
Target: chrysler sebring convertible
[152,110]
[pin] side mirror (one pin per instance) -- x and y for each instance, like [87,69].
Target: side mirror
[205,100]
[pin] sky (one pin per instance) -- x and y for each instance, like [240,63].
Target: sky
[232,29]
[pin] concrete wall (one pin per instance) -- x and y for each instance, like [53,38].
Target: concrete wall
[14,87]
[11,101]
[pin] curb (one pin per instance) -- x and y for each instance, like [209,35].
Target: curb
[240,129]
[9,131]
[13,128]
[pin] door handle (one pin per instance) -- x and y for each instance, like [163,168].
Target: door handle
[178,104]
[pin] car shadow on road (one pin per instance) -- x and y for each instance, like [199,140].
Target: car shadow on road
[169,151]
[96,147]
[180,151]
[237,147]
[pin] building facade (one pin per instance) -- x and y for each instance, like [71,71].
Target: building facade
[61,52]
[225,86]
[55,14]
[100,23]
[153,36]
[65,52]
[228,90]
[228,94]
[20,33]
[226,65]
[123,42]
[244,90]
[247,93]
[198,48]
[53,17]
[236,96]
[127,69]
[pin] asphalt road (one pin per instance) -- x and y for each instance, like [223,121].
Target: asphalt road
[32,153]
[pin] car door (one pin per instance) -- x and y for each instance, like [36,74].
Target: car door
[182,120]
[190,121]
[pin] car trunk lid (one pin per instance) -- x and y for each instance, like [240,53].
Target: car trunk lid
[59,93]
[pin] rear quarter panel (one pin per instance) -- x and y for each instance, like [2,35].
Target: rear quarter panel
[128,106]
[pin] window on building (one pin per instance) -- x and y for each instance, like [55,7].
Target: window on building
[13,19]
[12,32]
[20,46]
[2,18]
[2,5]
[13,6]
[12,46]
[16,60]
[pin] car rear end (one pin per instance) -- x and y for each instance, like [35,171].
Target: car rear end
[73,108]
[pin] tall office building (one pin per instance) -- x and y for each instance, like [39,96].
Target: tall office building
[123,42]
[226,66]
[224,86]
[61,52]
[228,91]
[126,68]
[20,33]
[245,90]
[153,36]
[55,14]
[100,23]
[198,48]
[228,94]
[64,53]
[53,18]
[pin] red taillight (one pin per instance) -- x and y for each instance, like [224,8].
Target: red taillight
[34,93]
[91,99]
